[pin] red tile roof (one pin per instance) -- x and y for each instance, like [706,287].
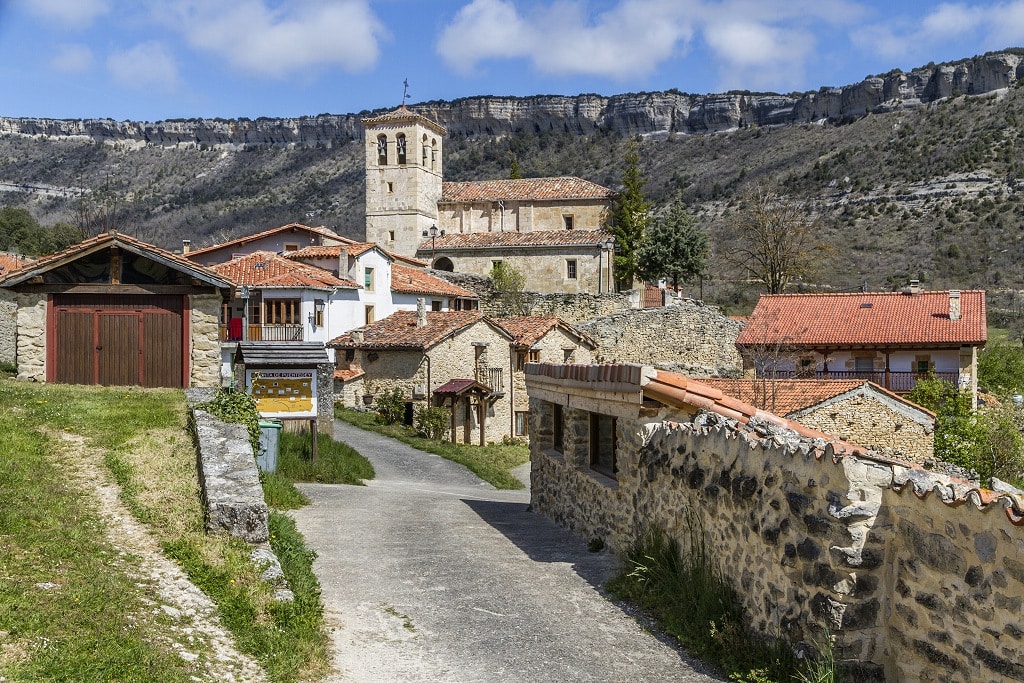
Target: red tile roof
[267,269]
[540,238]
[527,189]
[406,280]
[11,262]
[866,319]
[348,375]
[354,249]
[527,330]
[788,396]
[291,227]
[460,386]
[399,331]
[401,115]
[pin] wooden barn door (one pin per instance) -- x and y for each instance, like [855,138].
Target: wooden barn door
[118,340]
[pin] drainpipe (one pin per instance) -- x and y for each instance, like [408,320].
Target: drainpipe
[429,395]
[512,390]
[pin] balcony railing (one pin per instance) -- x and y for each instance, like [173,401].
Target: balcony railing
[267,333]
[492,378]
[899,382]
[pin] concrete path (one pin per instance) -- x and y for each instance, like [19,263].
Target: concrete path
[430,574]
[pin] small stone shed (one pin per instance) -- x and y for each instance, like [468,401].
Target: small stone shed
[113,310]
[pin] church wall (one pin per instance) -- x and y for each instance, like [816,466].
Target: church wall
[522,216]
[545,269]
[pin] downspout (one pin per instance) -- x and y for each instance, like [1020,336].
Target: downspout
[512,390]
[429,395]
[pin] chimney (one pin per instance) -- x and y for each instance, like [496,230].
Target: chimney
[186,246]
[421,312]
[954,304]
[915,287]
[357,336]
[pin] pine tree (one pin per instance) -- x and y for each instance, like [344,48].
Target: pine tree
[675,248]
[514,173]
[630,218]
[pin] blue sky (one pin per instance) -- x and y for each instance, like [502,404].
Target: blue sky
[159,59]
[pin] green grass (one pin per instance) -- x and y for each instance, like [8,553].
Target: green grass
[337,463]
[100,623]
[491,462]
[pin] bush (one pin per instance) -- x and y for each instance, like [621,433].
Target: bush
[391,406]
[1001,368]
[238,407]
[433,421]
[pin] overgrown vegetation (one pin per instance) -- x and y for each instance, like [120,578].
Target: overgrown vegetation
[434,421]
[693,603]
[97,621]
[238,407]
[491,462]
[390,406]
[509,284]
[336,463]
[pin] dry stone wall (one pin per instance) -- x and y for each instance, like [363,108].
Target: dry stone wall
[8,327]
[687,336]
[32,336]
[912,589]
[205,336]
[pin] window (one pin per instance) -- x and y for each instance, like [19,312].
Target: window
[391,235]
[369,315]
[864,363]
[254,312]
[283,311]
[602,444]
[435,305]
[423,150]
[520,359]
[433,155]
[382,150]
[400,146]
[350,355]
[368,279]
[557,428]
[291,246]
[318,317]
[522,423]
[495,264]
[534,355]
[391,188]
[568,222]
[570,268]
[567,355]
[922,364]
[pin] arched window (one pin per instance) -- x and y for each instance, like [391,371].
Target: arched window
[382,150]
[423,150]
[444,263]
[400,147]
[433,155]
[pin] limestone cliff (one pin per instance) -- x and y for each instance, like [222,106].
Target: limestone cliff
[629,114]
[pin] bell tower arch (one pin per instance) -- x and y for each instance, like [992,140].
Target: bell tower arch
[403,178]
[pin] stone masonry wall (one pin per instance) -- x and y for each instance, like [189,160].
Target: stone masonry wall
[911,589]
[869,423]
[8,327]
[688,337]
[205,336]
[32,336]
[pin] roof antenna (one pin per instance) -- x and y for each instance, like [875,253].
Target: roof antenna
[405,92]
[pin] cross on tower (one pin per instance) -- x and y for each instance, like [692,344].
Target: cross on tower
[405,92]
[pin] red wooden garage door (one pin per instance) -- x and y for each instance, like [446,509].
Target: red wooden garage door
[117,340]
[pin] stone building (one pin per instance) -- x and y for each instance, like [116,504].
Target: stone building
[112,310]
[914,575]
[855,410]
[553,229]
[890,338]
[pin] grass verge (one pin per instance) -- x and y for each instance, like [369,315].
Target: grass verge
[693,603]
[491,462]
[336,463]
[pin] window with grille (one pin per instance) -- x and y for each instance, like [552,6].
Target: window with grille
[570,269]
[283,311]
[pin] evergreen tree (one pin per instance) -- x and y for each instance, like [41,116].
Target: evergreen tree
[630,218]
[676,248]
[514,173]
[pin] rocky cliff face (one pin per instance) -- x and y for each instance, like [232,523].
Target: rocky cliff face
[630,114]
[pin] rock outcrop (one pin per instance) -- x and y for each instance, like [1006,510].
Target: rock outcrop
[629,114]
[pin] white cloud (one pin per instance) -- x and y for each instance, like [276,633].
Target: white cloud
[630,39]
[72,59]
[76,14]
[145,66]
[283,39]
[758,56]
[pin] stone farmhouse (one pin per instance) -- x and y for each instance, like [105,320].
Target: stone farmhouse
[462,359]
[890,338]
[854,410]
[916,575]
[113,310]
[554,230]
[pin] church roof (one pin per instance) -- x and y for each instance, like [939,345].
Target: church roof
[539,238]
[536,189]
[404,115]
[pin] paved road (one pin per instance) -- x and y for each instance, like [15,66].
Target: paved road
[429,574]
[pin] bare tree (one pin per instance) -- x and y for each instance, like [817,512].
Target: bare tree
[765,356]
[776,239]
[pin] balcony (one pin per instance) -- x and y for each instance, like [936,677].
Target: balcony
[266,333]
[898,382]
[492,378]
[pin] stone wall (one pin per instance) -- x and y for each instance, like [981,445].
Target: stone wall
[687,336]
[8,327]
[205,339]
[544,268]
[912,589]
[32,336]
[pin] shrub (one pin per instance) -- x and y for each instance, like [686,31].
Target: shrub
[238,407]
[391,406]
[433,421]
[1001,368]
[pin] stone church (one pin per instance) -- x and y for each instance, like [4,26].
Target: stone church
[553,230]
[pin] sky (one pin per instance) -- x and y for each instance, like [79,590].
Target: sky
[150,60]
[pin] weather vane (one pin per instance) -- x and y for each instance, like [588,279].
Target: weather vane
[405,93]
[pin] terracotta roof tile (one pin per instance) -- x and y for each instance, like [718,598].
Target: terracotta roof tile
[527,330]
[565,187]
[348,375]
[788,395]
[354,249]
[321,231]
[872,318]
[11,262]
[540,238]
[399,331]
[403,114]
[406,280]
[267,269]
